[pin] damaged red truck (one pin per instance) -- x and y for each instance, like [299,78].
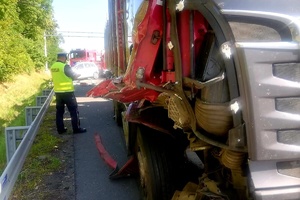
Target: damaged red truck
[208,94]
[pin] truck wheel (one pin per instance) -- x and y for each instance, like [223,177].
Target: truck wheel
[157,177]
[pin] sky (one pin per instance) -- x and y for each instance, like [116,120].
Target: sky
[76,16]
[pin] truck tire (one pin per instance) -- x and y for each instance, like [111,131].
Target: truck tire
[156,166]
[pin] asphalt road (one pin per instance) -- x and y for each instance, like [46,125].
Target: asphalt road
[91,172]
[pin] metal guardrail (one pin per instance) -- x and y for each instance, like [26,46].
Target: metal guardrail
[14,166]
[13,137]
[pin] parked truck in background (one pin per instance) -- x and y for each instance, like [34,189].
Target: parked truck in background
[210,95]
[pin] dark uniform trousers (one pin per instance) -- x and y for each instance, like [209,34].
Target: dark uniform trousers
[68,99]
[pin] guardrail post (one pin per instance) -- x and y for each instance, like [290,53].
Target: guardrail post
[40,100]
[13,137]
[31,113]
[46,92]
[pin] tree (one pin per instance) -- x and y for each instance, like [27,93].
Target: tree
[38,18]
[14,57]
[23,24]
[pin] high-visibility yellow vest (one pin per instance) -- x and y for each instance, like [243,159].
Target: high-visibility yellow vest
[62,83]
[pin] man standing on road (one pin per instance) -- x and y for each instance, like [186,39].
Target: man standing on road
[62,77]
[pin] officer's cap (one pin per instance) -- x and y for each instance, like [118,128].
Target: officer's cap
[62,55]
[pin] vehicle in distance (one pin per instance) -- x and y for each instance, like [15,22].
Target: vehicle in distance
[86,70]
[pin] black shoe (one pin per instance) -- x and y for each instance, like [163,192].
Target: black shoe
[62,131]
[80,130]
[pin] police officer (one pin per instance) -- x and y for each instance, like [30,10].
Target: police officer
[62,77]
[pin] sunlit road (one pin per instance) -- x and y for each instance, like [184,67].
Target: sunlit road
[91,172]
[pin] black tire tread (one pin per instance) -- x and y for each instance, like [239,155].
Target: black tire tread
[158,148]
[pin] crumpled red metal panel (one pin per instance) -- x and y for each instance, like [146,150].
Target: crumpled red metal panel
[145,55]
[130,94]
[127,94]
[102,89]
[146,50]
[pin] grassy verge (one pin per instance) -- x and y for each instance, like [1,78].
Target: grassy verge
[41,160]
[14,97]
[50,156]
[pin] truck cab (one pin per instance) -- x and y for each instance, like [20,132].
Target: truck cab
[209,96]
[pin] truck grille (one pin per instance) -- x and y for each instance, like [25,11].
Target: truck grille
[290,168]
[291,137]
[289,105]
[287,71]
[290,72]
[272,82]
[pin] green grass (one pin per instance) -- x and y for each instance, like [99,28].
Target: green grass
[14,97]
[40,160]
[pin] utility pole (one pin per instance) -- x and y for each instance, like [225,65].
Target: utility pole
[45,50]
